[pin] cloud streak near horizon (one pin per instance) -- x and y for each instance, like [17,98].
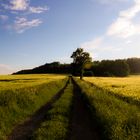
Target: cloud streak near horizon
[6,69]
[17,15]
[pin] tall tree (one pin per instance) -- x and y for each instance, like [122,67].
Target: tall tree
[80,61]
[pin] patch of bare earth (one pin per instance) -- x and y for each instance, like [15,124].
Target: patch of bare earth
[81,125]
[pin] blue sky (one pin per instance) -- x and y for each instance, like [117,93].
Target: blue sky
[34,32]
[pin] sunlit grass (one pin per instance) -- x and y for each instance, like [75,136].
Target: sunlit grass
[19,81]
[23,98]
[128,86]
[118,120]
[55,127]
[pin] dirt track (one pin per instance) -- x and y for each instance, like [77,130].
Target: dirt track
[81,125]
[25,130]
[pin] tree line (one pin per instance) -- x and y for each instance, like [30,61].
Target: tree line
[122,67]
[84,66]
[54,67]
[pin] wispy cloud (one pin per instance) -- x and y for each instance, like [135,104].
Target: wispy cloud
[117,37]
[111,1]
[122,28]
[124,25]
[17,5]
[22,14]
[100,45]
[22,24]
[24,6]
[38,10]
[6,69]
[92,44]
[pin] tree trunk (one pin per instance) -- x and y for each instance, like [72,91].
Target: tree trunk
[81,75]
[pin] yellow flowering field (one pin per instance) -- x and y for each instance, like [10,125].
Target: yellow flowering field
[127,86]
[19,81]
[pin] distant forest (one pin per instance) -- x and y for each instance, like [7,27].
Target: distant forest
[120,67]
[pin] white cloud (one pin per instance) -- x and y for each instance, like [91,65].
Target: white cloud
[22,24]
[124,26]
[137,1]
[4,17]
[128,42]
[130,13]
[111,1]
[20,8]
[38,10]
[99,44]
[19,4]
[16,5]
[6,69]
[23,5]
[90,45]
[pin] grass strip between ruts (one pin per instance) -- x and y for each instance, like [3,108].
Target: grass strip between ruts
[57,119]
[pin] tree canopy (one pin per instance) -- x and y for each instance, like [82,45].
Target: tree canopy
[81,60]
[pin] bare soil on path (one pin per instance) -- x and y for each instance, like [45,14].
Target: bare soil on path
[81,125]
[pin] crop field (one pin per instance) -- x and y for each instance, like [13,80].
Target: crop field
[115,103]
[20,81]
[22,95]
[128,86]
[58,107]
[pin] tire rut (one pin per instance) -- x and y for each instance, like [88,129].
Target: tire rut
[25,130]
[82,126]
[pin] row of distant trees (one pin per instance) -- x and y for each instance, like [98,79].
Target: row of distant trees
[122,67]
[54,67]
[84,66]
[111,68]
